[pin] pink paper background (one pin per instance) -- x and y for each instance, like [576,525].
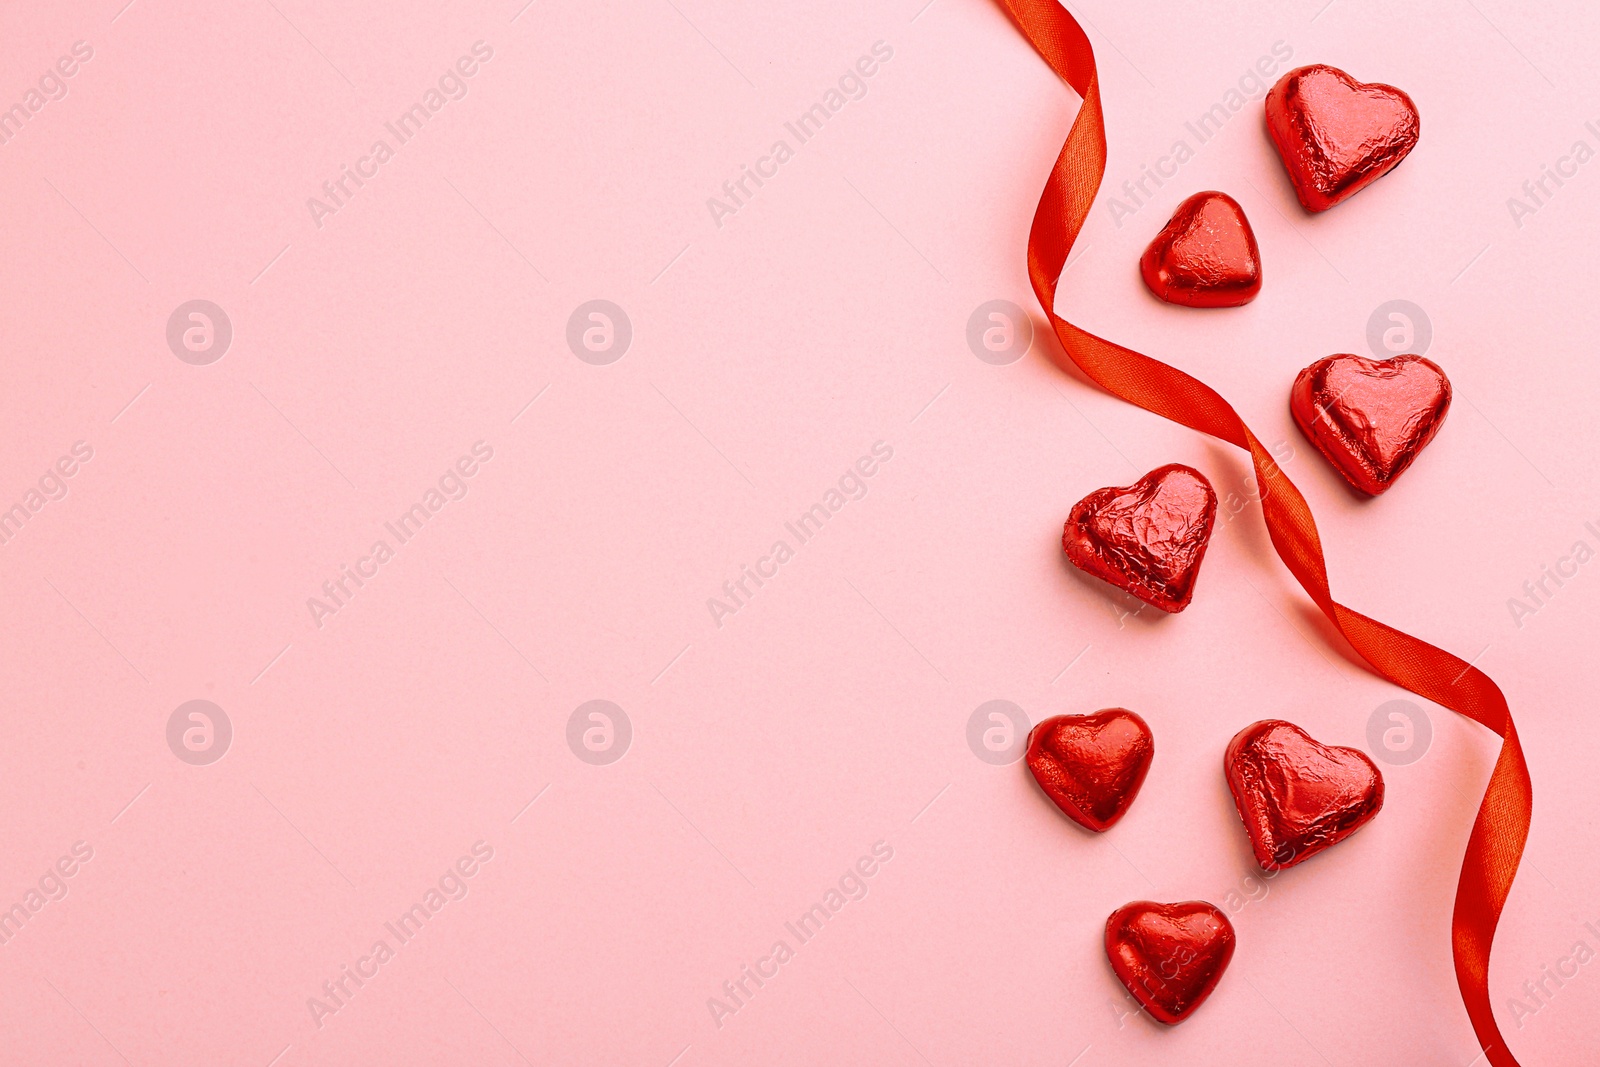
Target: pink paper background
[768,353]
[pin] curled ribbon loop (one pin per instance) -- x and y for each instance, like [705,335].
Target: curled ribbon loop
[1501,828]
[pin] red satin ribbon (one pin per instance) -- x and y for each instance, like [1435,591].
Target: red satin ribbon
[1501,827]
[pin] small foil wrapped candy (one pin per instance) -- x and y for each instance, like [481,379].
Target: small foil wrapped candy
[1370,417]
[1091,766]
[1169,956]
[1296,795]
[1336,135]
[1148,538]
[1206,256]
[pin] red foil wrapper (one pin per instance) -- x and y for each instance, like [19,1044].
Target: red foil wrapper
[1369,417]
[1206,255]
[1170,956]
[1295,795]
[1147,538]
[1091,766]
[1337,135]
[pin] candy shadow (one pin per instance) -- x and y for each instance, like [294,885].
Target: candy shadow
[1049,345]
[1123,607]
[1332,640]
[1248,527]
[1239,847]
[1243,521]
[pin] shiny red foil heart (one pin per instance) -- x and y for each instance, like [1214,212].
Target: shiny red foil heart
[1337,135]
[1370,417]
[1147,538]
[1205,256]
[1091,765]
[1295,795]
[1170,956]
